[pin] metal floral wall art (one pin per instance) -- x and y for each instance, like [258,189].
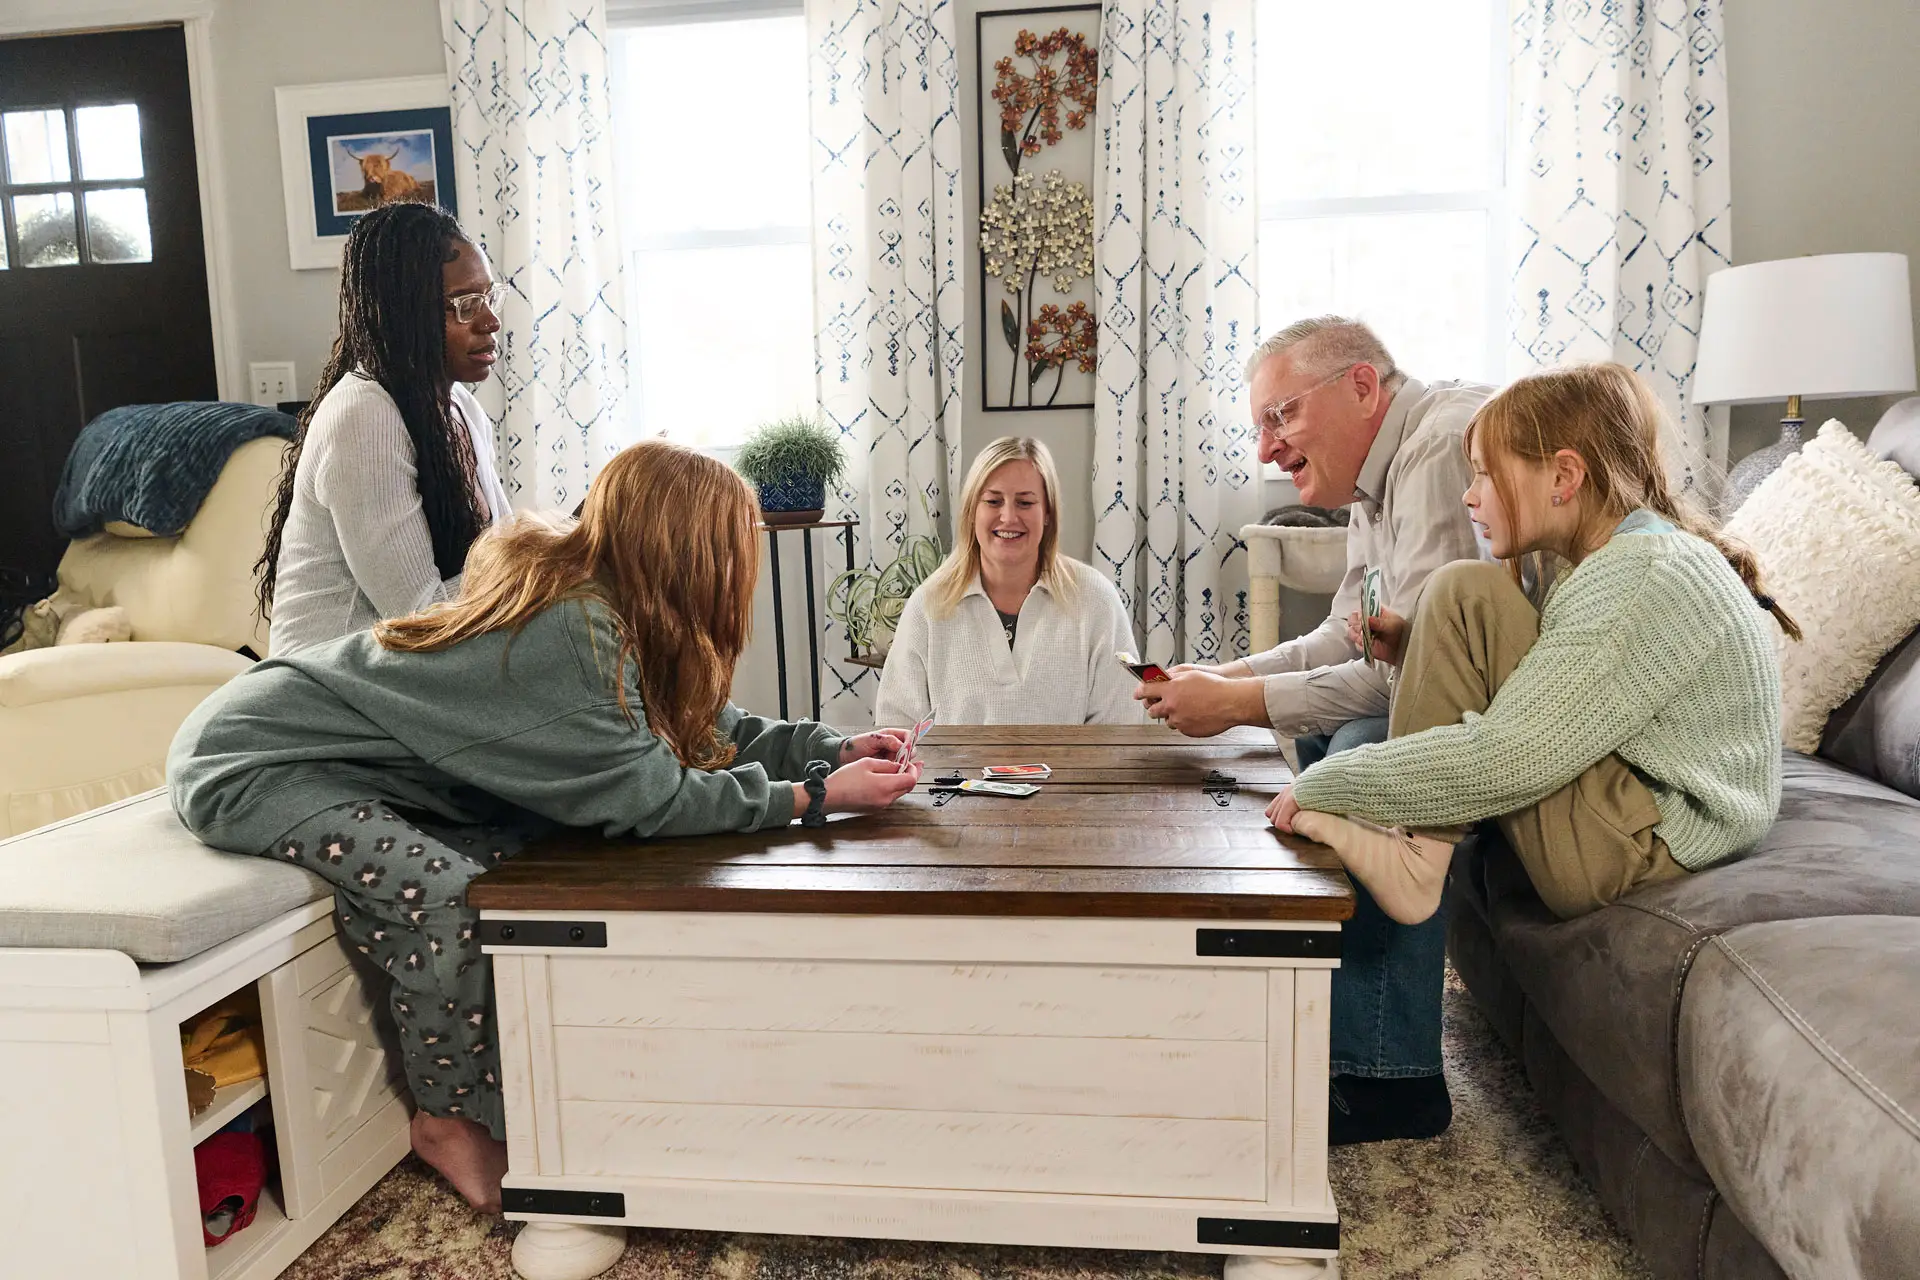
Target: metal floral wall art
[1036,223]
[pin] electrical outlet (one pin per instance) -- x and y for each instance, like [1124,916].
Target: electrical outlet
[272,381]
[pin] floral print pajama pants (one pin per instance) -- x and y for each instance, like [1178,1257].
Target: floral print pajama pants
[401,901]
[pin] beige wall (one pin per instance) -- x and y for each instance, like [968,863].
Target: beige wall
[1825,116]
[259,45]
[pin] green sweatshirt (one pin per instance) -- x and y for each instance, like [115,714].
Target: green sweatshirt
[1652,649]
[528,719]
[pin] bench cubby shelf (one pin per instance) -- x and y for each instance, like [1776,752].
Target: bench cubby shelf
[90,1056]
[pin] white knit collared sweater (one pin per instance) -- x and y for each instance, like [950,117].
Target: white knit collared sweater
[1059,670]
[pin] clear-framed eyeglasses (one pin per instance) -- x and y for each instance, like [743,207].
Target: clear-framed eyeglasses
[466,306]
[1273,420]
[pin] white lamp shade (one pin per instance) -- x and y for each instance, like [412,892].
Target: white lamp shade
[1819,328]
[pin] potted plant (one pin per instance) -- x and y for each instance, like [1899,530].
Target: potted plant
[792,460]
[868,602]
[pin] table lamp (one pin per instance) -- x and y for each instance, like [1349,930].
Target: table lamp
[1815,328]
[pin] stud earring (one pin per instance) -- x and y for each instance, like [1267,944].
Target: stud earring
[1557,499]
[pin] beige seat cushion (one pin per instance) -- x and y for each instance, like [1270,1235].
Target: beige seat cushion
[130,878]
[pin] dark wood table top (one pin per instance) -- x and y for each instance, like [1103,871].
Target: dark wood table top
[1129,825]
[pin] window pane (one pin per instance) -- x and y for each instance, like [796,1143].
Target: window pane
[722,340]
[712,125]
[1420,279]
[109,142]
[1419,118]
[37,149]
[117,228]
[45,224]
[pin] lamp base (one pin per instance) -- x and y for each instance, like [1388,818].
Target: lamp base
[1761,463]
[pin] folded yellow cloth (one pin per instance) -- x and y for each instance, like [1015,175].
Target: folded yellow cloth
[227,1041]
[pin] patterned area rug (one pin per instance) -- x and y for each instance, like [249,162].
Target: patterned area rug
[1496,1196]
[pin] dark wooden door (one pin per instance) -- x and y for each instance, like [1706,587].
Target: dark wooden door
[103,274]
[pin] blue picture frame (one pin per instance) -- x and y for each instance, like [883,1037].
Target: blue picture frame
[416,142]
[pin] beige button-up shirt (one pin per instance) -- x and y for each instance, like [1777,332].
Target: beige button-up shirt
[1408,519]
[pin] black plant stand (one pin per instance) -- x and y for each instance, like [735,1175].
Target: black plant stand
[813,621]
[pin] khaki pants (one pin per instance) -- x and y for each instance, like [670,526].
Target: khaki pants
[1587,843]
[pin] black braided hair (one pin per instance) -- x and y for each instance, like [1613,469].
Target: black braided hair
[393,327]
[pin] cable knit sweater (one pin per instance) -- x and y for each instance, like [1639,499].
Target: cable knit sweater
[1651,649]
[1059,670]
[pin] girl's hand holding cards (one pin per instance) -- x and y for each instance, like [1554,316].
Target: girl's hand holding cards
[1389,635]
[881,744]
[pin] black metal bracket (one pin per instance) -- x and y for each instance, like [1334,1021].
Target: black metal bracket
[578,1204]
[1265,1233]
[543,933]
[1220,786]
[1294,944]
[943,794]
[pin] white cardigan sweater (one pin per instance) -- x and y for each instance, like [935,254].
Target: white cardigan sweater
[356,547]
[1059,670]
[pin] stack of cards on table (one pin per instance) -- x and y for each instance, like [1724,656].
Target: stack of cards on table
[1017,772]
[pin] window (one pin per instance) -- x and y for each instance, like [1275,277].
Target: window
[714,208]
[70,187]
[1381,163]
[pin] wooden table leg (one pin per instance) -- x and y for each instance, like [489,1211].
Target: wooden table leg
[1243,1266]
[566,1250]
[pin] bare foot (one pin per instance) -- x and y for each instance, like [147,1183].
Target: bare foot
[465,1154]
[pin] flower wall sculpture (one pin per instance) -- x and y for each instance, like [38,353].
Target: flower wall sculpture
[1038,231]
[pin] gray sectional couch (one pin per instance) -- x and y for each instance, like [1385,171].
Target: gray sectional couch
[1734,1058]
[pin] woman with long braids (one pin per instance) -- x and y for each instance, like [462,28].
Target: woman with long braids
[390,477]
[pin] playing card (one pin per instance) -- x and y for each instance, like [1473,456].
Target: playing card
[988,787]
[1016,771]
[1369,610]
[911,748]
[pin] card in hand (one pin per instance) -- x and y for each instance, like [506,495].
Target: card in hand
[1369,610]
[911,747]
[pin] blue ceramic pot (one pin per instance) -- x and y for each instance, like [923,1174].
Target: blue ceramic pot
[796,494]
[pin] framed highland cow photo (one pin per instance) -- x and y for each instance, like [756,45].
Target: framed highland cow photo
[348,148]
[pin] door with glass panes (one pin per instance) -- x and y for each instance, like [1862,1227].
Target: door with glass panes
[103,282]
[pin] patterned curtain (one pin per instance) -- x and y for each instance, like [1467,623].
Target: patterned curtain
[1175,471]
[884,91]
[1617,178]
[535,168]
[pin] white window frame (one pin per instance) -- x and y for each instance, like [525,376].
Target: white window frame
[625,14]
[1492,200]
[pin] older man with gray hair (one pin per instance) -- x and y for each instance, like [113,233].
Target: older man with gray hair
[1339,416]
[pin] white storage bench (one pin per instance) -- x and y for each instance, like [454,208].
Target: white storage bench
[115,927]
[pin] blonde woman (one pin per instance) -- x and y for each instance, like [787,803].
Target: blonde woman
[1008,630]
[580,678]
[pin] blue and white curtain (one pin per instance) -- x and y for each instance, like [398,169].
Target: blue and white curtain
[1617,180]
[1175,468]
[535,180]
[883,85]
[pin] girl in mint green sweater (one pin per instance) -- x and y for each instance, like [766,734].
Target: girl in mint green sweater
[1627,731]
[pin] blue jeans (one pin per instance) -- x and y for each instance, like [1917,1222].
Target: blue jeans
[1386,992]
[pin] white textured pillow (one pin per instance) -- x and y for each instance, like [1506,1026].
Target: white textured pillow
[1837,532]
